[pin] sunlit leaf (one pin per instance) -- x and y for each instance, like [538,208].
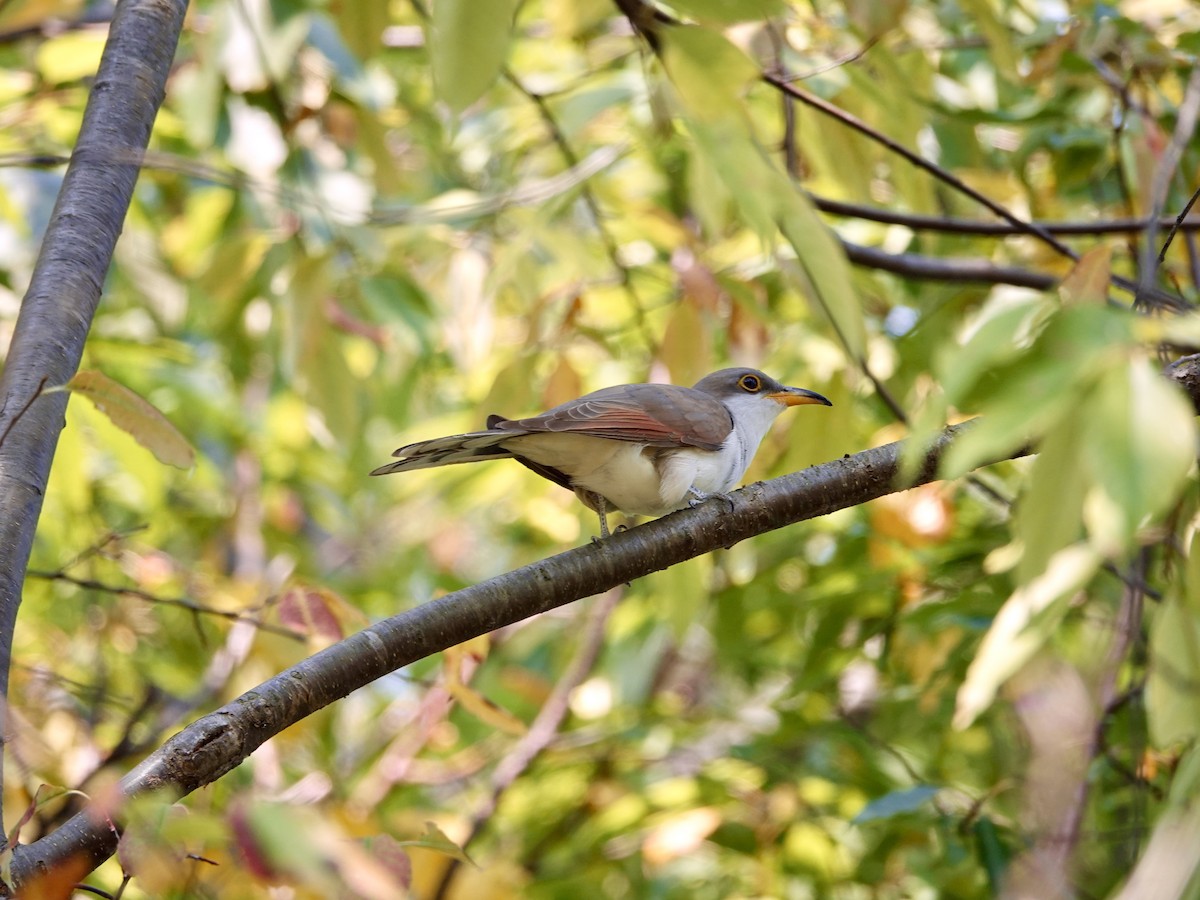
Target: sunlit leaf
[70,56]
[1049,515]
[435,839]
[1140,442]
[468,43]
[826,269]
[136,416]
[1022,626]
[1023,394]
[1172,700]
[709,73]
[729,11]
[679,835]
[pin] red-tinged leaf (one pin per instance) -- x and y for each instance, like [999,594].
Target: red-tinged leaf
[136,416]
[388,852]
[53,792]
[311,612]
[248,846]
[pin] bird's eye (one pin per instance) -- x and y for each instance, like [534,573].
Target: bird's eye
[751,383]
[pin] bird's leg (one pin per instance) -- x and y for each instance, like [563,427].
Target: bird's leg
[602,512]
[698,497]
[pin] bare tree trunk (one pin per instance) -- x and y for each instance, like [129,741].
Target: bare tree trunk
[65,289]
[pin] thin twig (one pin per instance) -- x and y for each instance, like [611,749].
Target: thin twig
[24,409]
[177,602]
[919,161]
[1179,224]
[1032,228]
[624,275]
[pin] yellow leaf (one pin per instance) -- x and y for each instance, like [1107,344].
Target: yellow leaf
[136,416]
[1087,282]
[484,709]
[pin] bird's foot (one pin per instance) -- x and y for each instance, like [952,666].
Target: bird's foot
[699,497]
[599,539]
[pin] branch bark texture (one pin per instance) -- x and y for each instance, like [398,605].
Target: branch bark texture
[65,288]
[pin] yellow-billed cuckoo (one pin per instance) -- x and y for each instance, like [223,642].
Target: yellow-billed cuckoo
[642,449]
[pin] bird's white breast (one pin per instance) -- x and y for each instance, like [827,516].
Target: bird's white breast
[617,470]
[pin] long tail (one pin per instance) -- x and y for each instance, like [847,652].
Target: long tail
[447,451]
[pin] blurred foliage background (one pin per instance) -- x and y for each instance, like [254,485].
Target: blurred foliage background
[362,224]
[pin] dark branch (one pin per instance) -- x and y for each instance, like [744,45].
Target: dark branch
[946,225]
[932,268]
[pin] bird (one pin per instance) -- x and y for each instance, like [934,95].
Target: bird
[640,449]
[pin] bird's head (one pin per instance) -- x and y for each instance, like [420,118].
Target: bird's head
[743,386]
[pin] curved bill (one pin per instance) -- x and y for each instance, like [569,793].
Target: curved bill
[794,396]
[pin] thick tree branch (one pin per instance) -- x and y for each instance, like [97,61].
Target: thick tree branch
[215,744]
[65,288]
[218,742]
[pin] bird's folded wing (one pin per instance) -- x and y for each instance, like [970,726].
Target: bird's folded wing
[656,414]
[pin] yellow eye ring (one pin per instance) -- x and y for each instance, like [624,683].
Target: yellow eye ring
[751,383]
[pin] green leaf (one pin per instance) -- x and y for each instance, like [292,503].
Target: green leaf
[998,34]
[1002,332]
[468,44]
[135,415]
[1172,701]
[896,803]
[435,839]
[1022,394]
[710,75]
[727,12]
[826,269]
[1022,626]
[1139,444]
[70,56]
[1049,516]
